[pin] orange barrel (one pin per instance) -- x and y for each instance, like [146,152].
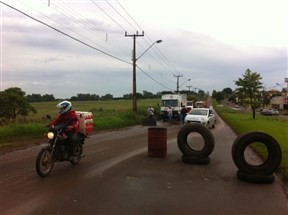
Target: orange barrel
[157,142]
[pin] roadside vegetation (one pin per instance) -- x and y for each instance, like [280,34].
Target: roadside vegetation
[113,114]
[242,122]
[24,117]
[109,114]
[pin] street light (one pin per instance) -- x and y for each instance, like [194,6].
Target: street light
[134,72]
[185,82]
[158,41]
[181,84]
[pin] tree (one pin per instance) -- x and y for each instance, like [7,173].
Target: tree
[227,92]
[219,96]
[249,87]
[107,97]
[85,97]
[39,98]
[13,102]
[147,95]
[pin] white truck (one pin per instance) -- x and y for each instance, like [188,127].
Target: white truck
[189,106]
[175,102]
[201,104]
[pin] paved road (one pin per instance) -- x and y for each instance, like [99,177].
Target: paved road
[118,177]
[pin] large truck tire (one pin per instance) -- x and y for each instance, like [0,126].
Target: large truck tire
[259,179]
[272,162]
[209,141]
[195,160]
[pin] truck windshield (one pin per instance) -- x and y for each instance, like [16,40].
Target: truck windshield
[170,102]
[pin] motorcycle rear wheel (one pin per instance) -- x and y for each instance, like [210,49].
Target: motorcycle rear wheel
[45,162]
[79,154]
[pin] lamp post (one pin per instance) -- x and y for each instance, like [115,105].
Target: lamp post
[181,84]
[185,82]
[134,95]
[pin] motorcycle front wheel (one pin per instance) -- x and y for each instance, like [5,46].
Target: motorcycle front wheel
[44,162]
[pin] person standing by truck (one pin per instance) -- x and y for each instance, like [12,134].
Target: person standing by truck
[150,112]
[183,114]
[170,113]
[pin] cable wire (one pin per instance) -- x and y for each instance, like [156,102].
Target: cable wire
[84,43]
[70,13]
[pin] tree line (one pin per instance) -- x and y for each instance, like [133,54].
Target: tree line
[249,92]
[88,97]
[14,101]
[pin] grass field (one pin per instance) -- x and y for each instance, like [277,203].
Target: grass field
[106,114]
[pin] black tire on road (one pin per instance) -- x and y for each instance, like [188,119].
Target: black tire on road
[195,160]
[44,162]
[209,141]
[260,179]
[270,164]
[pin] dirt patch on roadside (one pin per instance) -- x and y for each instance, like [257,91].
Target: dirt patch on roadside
[19,145]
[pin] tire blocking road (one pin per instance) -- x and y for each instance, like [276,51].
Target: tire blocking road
[262,173]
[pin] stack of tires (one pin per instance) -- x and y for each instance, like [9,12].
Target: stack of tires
[190,154]
[262,173]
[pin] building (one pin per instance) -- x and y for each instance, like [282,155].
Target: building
[279,102]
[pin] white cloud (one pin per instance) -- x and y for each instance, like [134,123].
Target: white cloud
[210,42]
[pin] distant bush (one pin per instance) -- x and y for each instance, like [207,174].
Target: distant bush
[13,103]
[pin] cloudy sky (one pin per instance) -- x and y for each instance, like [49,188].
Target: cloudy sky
[66,47]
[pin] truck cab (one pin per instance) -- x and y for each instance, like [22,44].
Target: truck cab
[175,102]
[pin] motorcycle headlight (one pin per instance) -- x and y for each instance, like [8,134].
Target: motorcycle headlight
[50,135]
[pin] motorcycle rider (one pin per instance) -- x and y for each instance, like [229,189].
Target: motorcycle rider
[68,117]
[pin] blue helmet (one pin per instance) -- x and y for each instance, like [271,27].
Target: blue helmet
[64,106]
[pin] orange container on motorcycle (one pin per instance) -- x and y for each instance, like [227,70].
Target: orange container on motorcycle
[86,121]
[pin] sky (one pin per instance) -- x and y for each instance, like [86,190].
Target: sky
[66,47]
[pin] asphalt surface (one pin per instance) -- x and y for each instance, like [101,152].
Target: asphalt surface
[134,183]
[145,185]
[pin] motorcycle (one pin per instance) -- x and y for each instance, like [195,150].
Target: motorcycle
[57,150]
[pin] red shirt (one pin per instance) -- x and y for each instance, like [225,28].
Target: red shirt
[70,119]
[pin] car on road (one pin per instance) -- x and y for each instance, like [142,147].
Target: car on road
[204,116]
[275,112]
[266,112]
[270,112]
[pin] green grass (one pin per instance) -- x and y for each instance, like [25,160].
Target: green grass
[18,131]
[44,108]
[242,122]
[106,115]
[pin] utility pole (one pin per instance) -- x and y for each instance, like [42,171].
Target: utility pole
[134,67]
[189,87]
[178,76]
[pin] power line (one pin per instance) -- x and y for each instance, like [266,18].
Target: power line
[99,33]
[129,15]
[158,52]
[107,15]
[55,29]
[120,15]
[67,10]
[154,79]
